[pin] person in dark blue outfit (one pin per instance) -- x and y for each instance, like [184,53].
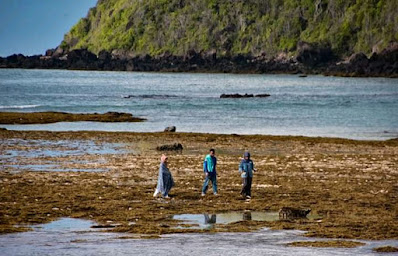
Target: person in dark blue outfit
[246,167]
[209,168]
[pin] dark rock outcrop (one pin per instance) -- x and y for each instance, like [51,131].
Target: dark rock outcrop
[173,147]
[264,95]
[238,96]
[311,59]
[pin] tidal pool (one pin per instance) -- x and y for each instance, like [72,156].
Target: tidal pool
[49,148]
[18,155]
[68,236]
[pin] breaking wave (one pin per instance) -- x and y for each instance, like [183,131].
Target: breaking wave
[19,106]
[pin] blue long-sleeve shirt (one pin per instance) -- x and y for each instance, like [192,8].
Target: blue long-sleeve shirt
[246,167]
[205,168]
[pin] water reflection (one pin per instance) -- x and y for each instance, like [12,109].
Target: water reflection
[203,221]
[210,220]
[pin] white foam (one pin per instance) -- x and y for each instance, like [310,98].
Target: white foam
[19,106]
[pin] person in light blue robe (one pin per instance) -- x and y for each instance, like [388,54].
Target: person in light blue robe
[165,179]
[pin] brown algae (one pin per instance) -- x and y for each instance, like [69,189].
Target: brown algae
[386,249]
[53,117]
[329,243]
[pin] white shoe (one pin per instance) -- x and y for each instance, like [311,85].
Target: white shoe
[248,197]
[216,194]
[156,193]
[203,194]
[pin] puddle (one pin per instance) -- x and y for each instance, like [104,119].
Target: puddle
[66,225]
[203,221]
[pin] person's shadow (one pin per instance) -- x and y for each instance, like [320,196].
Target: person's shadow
[210,219]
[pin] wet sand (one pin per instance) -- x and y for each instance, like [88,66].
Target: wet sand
[351,185]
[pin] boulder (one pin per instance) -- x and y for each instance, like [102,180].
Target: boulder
[104,55]
[58,52]
[292,213]
[173,147]
[358,59]
[170,129]
[50,52]
[314,54]
[81,54]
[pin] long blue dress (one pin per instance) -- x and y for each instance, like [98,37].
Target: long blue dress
[165,180]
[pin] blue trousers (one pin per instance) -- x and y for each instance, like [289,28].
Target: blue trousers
[213,179]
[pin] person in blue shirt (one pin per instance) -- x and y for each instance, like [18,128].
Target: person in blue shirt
[209,168]
[246,167]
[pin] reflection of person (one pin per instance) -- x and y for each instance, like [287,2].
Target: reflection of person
[209,168]
[165,180]
[247,216]
[210,220]
[246,167]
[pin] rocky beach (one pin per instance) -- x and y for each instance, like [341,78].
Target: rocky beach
[109,177]
[309,88]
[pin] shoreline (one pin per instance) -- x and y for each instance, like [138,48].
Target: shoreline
[350,184]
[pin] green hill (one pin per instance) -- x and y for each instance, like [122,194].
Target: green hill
[233,27]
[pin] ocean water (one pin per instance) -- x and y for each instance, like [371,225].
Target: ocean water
[356,108]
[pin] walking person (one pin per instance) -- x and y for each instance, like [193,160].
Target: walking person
[209,168]
[246,167]
[165,179]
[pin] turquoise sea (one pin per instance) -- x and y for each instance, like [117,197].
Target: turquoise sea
[357,108]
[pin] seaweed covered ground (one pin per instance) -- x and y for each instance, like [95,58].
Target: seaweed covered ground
[53,117]
[352,186]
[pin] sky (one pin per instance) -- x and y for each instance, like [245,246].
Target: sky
[31,27]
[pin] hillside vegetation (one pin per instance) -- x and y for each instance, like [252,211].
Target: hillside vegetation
[233,27]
